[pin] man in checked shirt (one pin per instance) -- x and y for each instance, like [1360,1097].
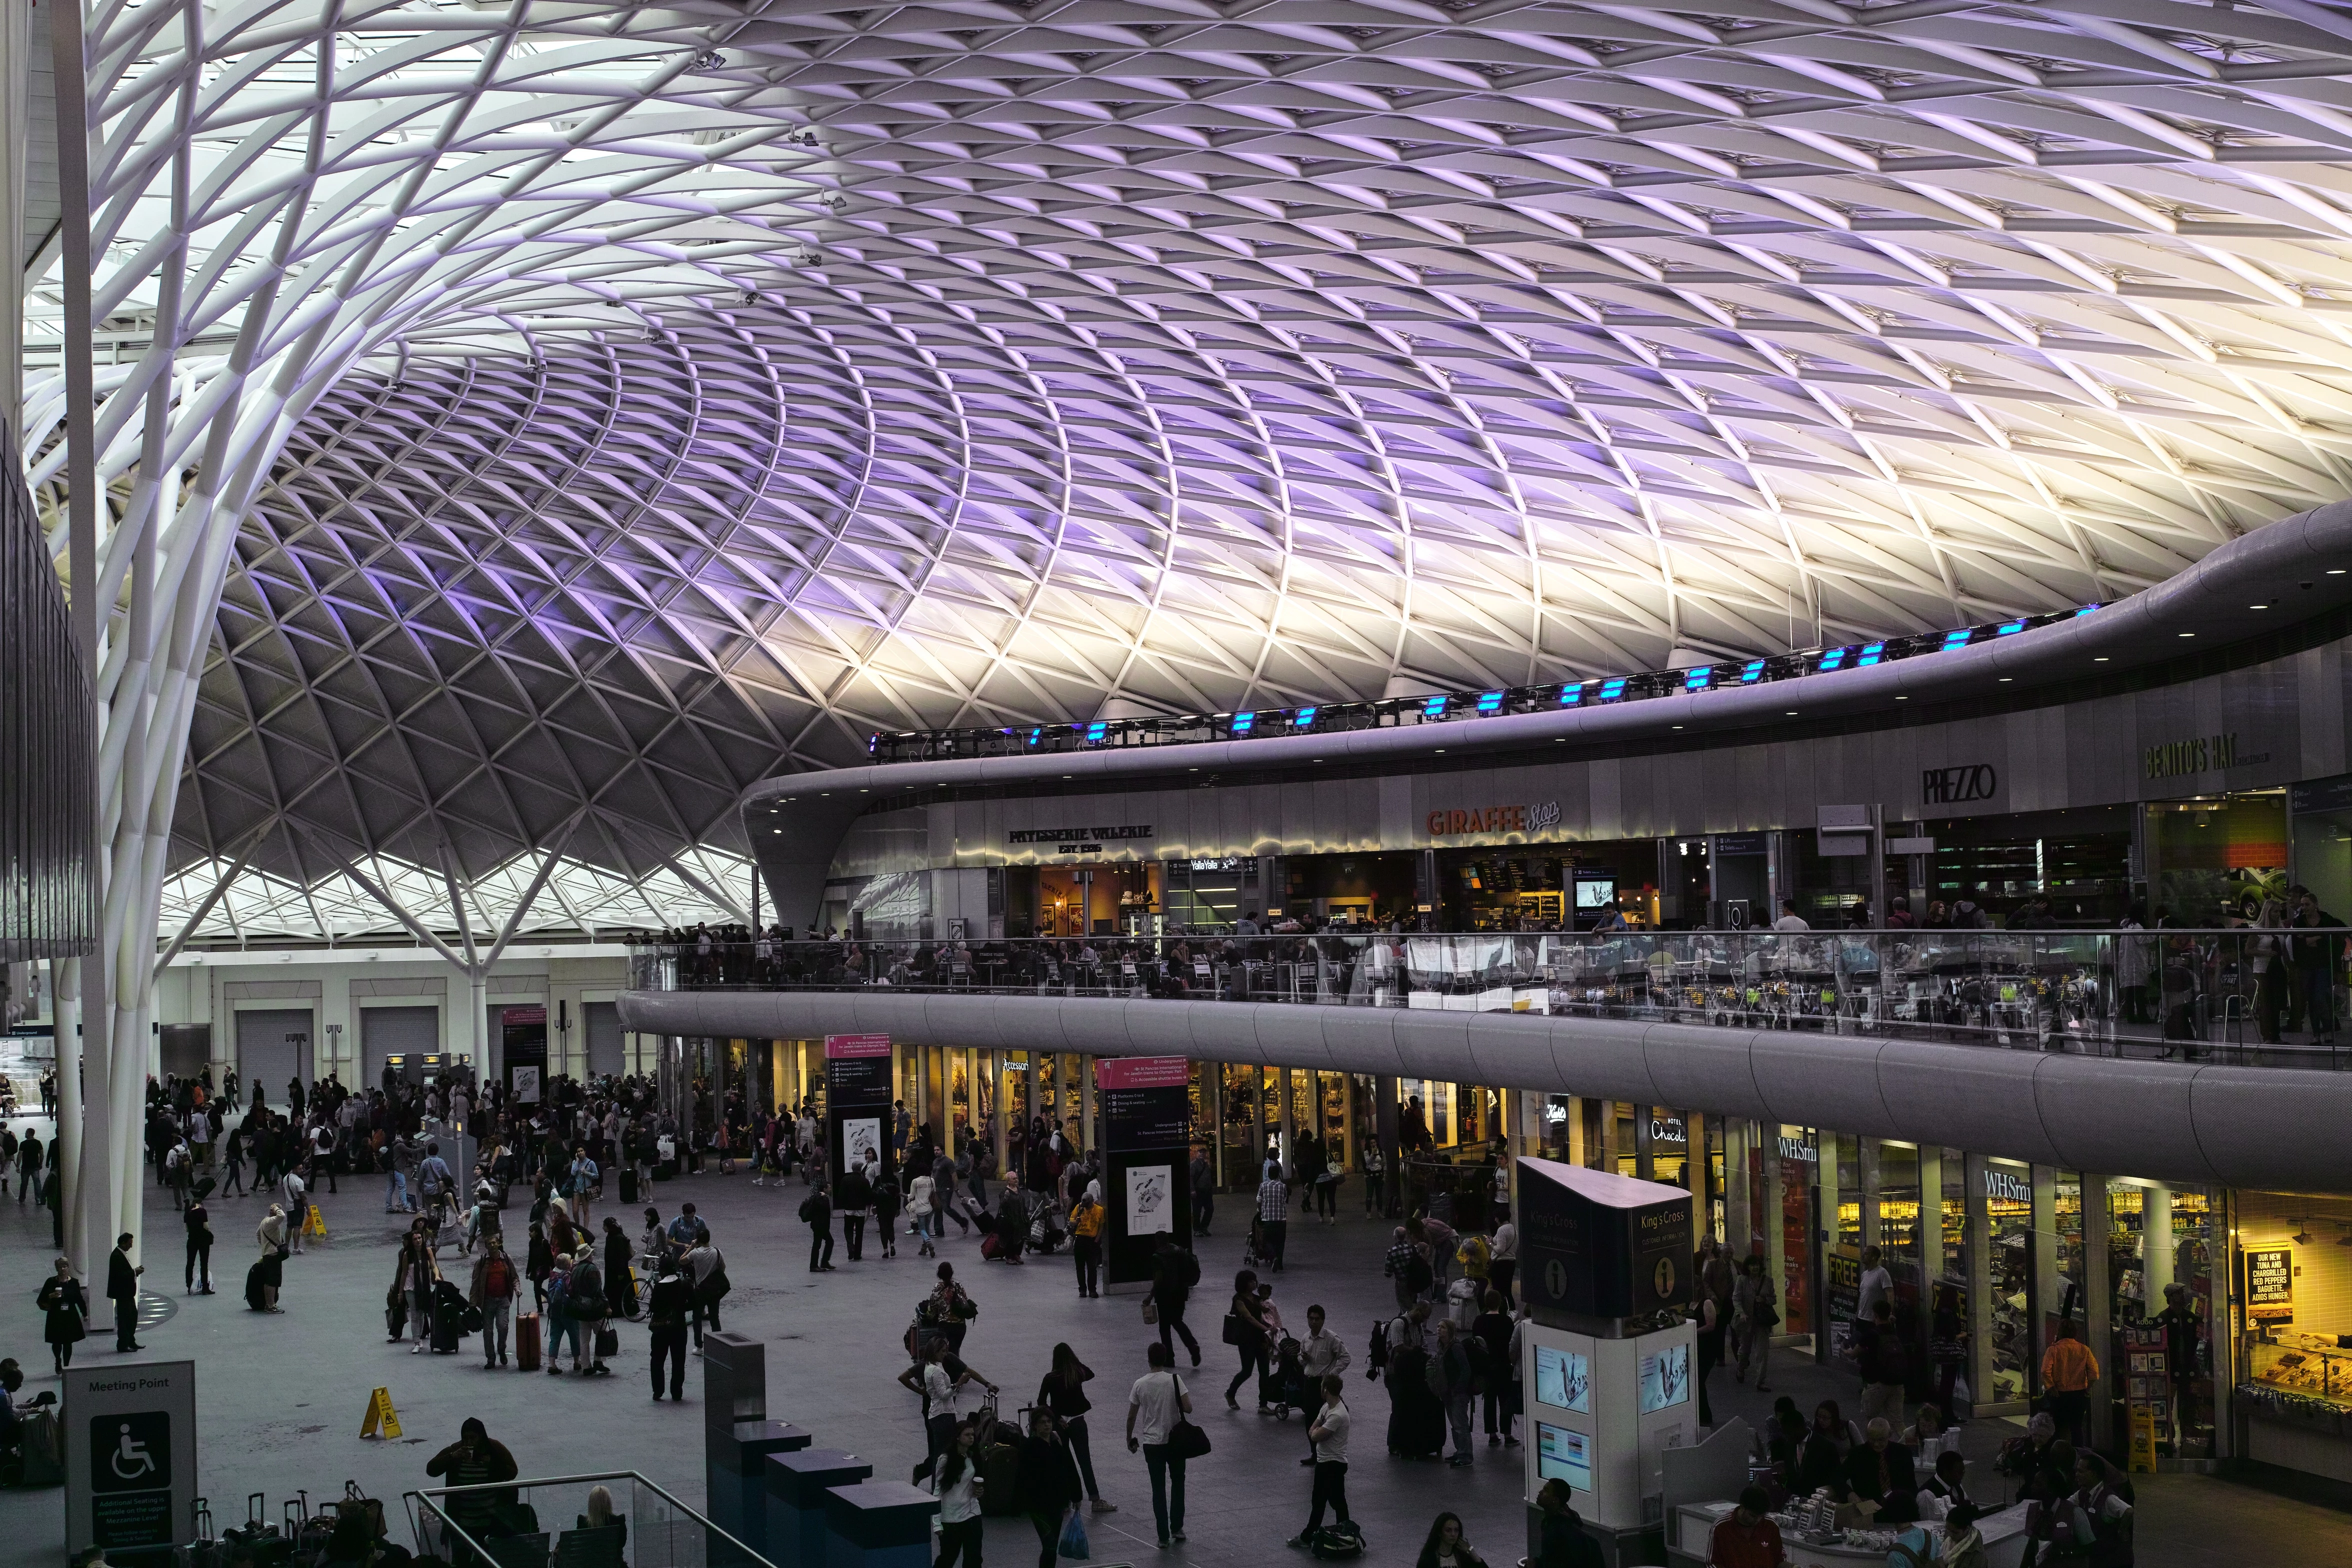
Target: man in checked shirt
[1273,1215]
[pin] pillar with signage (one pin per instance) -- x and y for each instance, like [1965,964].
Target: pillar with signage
[856,1099]
[522,1045]
[1608,1359]
[1146,1146]
[130,1438]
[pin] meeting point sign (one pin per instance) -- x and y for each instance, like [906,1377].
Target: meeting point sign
[130,1437]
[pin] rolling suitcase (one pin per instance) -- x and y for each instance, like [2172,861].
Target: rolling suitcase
[526,1342]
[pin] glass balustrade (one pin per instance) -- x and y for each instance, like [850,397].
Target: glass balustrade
[2250,995]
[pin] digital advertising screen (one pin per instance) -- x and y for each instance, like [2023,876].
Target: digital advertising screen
[1665,1378]
[1563,1379]
[1564,1455]
[1591,892]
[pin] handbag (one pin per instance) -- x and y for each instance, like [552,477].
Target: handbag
[1151,1313]
[608,1341]
[1766,1315]
[1188,1441]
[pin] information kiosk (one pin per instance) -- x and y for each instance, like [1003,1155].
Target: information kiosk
[1605,1267]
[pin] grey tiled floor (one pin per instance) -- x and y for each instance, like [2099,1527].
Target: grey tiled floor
[280,1398]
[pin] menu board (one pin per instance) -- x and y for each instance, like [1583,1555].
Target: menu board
[2270,1284]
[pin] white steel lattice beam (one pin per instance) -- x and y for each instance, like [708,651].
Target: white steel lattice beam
[504,411]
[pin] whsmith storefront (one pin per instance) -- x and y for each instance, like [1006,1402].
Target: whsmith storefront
[2180,800]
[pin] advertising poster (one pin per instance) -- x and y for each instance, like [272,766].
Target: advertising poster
[1563,1379]
[1665,1378]
[2270,1284]
[860,1136]
[1563,1456]
[1149,1208]
[522,1047]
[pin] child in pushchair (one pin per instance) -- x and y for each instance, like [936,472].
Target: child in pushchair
[1289,1387]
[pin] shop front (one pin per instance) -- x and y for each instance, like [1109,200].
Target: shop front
[2291,1283]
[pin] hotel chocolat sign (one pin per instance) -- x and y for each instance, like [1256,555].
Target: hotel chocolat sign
[1533,817]
[1957,786]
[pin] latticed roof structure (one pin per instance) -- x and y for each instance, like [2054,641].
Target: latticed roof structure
[584,410]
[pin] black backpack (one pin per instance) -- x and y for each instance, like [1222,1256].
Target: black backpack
[1377,1358]
[1191,1269]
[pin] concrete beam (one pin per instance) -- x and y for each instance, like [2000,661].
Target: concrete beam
[2230,1126]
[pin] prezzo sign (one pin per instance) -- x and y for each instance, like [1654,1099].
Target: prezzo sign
[1957,786]
[1532,818]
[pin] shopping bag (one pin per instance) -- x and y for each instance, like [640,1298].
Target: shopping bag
[1073,1536]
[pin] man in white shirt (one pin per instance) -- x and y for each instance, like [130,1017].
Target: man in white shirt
[1789,918]
[298,1208]
[1328,1432]
[1156,1406]
[1878,1285]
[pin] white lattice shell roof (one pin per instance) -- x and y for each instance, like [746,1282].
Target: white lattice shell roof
[672,396]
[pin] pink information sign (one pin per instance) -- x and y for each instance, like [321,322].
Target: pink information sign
[856,1045]
[1143,1072]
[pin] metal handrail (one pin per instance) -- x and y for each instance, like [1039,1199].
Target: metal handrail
[429,1496]
[2173,990]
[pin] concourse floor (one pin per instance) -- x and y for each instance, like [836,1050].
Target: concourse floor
[280,1398]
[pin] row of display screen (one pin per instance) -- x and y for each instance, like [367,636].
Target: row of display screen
[1564,1382]
[1564,1378]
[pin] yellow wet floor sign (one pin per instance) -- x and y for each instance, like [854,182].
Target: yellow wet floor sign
[382,1420]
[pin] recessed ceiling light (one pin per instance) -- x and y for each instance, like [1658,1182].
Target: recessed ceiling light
[2101,659]
[2189,634]
[2258,606]
[1441,751]
[2335,571]
[1902,700]
[2007,679]
[1792,713]
[1678,726]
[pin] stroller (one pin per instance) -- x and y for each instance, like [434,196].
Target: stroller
[1255,1254]
[1045,1230]
[1287,1389]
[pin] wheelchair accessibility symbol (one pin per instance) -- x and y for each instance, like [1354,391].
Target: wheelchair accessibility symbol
[130,1453]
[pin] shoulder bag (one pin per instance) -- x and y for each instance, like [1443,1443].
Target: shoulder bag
[1186,1440]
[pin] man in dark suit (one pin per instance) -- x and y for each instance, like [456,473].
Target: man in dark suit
[1878,1469]
[122,1289]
